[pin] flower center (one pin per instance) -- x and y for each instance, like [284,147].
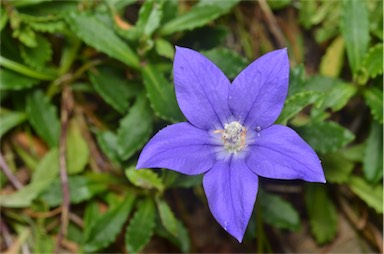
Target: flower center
[233,136]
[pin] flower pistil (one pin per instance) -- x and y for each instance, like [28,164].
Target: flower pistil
[233,136]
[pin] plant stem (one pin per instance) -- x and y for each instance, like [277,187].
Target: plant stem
[7,171]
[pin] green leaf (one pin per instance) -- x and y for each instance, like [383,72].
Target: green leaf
[38,56]
[10,120]
[135,128]
[307,11]
[353,153]
[373,155]
[10,80]
[161,94]
[144,178]
[332,61]
[295,103]
[167,217]
[140,228]
[81,188]
[199,15]
[107,141]
[46,172]
[372,195]
[325,137]
[372,64]
[104,230]
[177,180]
[96,34]
[272,207]
[374,98]
[337,92]
[164,48]
[355,31]
[114,89]
[229,61]
[278,4]
[337,169]
[181,239]
[297,80]
[322,213]
[43,117]
[77,149]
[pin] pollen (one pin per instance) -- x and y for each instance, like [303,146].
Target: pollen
[233,136]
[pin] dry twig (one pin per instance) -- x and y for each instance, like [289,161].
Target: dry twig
[272,24]
[7,171]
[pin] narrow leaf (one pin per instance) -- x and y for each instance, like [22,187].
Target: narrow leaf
[77,149]
[104,230]
[332,61]
[144,178]
[354,25]
[10,80]
[272,205]
[10,120]
[96,34]
[373,155]
[167,217]
[161,94]
[140,228]
[322,214]
[198,16]
[374,98]
[295,103]
[43,117]
[372,64]
[372,195]
[135,128]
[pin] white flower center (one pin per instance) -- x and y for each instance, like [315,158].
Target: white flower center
[233,136]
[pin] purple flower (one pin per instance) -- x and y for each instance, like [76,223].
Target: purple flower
[230,135]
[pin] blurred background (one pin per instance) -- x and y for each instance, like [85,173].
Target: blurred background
[85,84]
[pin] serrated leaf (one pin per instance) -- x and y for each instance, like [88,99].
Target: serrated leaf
[81,188]
[46,172]
[322,214]
[272,207]
[337,169]
[144,178]
[25,35]
[372,195]
[104,230]
[135,128]
[112,88]
[332,61]
[52,26]
[355,31]
[96,34]
[373,61]
[167,217]
[43,117]
[38,56]
[10,80]
[229,61]
[337,92]
[374,98]
[181,239]
[140,228]
[373,155]
[325,137]
[77,149]
[10,120]
[295,103]
[198,16]
[161,94]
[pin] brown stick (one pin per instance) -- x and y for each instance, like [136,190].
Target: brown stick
[7,171]
[66,110]
[272,23]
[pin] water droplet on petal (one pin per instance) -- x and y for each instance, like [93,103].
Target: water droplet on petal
[258,128]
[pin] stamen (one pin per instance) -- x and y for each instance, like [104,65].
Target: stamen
[233,135]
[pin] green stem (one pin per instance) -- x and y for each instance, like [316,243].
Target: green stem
[17,67]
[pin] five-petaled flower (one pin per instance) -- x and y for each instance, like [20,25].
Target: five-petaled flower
[230,134]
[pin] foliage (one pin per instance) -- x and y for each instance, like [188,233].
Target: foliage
[115,57]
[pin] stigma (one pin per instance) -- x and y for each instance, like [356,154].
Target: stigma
[233,136]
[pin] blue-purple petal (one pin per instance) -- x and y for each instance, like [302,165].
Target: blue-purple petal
[181,147]
[279,152]
[231,189]
[201,89]
[257,95]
